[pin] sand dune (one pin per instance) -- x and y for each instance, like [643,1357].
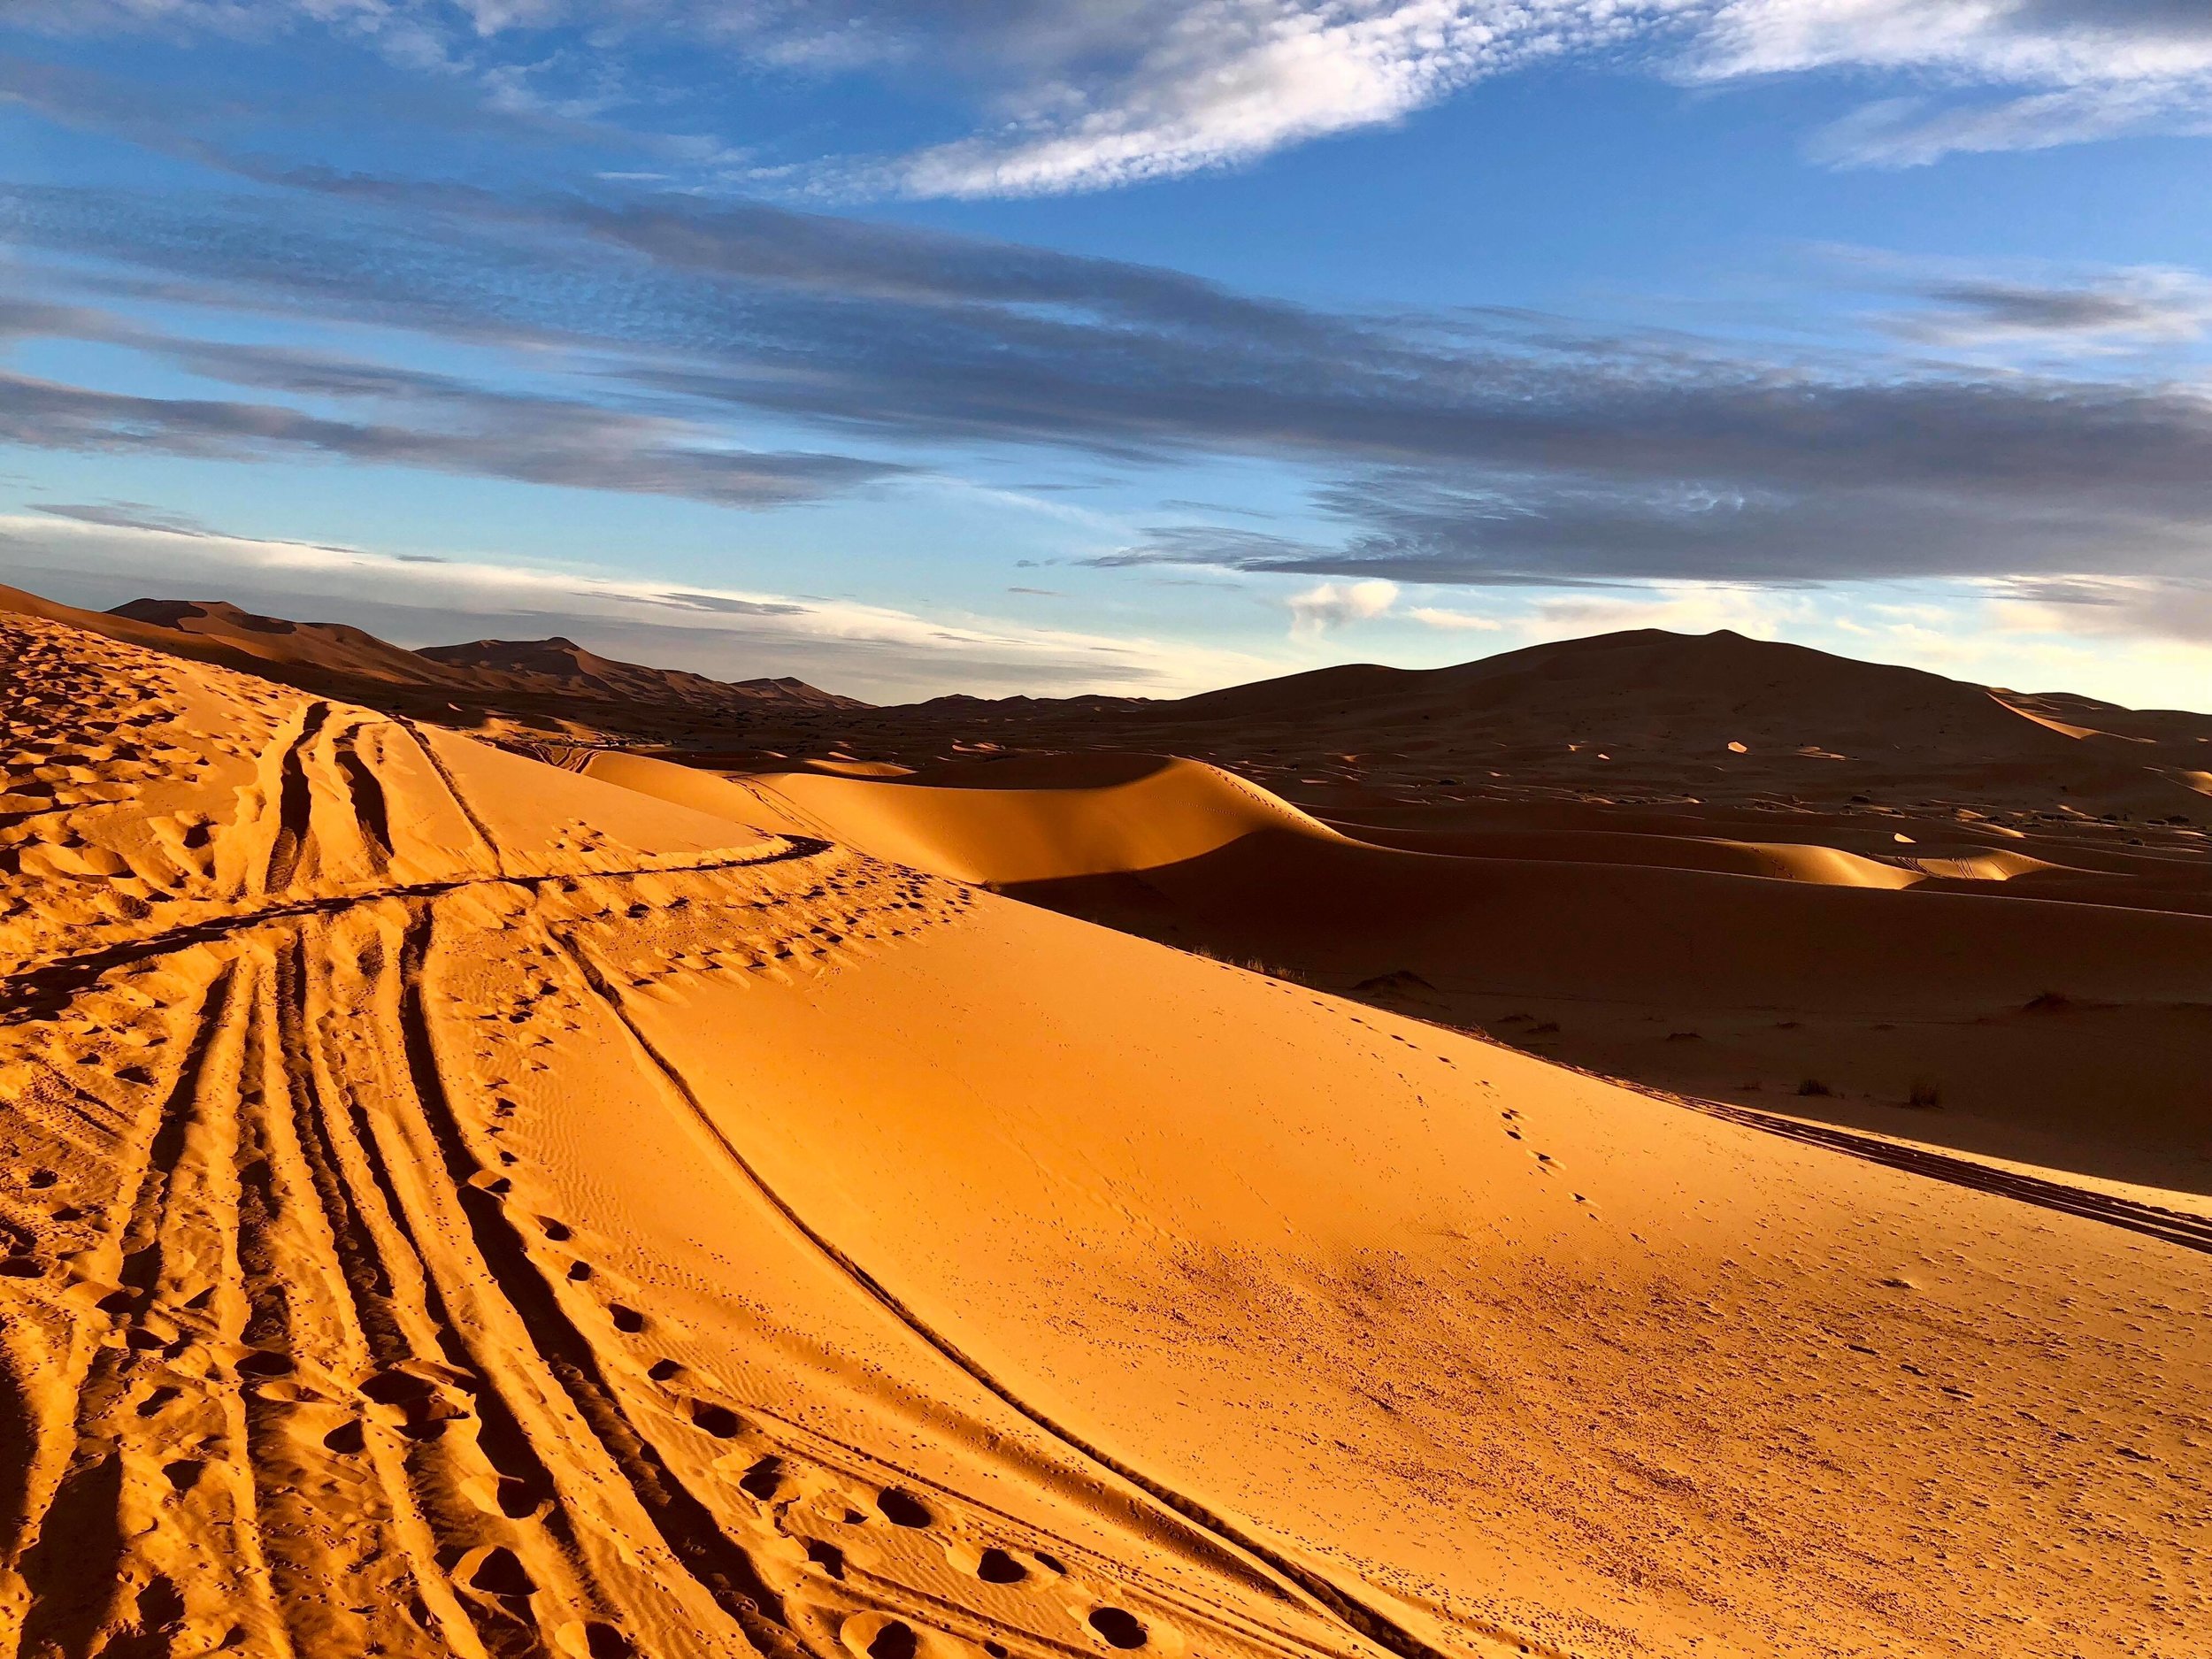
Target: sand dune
[458,1206]
[2058,1033]
[1005,822]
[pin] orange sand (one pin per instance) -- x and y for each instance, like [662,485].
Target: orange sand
[459,1206]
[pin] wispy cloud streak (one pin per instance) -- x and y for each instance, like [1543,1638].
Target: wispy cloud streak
[1072,95]
[1470,447]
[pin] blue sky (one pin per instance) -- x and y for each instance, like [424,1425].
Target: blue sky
[1137,345]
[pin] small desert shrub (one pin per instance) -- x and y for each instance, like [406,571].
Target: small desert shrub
[1925,1095]
[1814,1086]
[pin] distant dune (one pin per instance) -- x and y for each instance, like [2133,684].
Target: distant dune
[452,1203]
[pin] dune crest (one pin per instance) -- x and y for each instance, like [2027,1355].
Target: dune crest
[1004,822]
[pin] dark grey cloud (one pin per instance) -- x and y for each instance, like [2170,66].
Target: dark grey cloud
[2169,19]
[1467,446]
[531,441]
[1417,528]
[2140,306]
[726,606]
[2051,310]
[125,515]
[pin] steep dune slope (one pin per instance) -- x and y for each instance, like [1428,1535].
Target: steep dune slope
[456,1206]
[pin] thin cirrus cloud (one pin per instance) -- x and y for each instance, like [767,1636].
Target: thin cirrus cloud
[1200,85]
[2003,74]
[1071,95]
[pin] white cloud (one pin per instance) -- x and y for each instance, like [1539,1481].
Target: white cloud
[1454,621]
[1225,80]
[1678,607]
[1076,95]
[1330,604]
[2078,70]
[2056,42]
[2108,607]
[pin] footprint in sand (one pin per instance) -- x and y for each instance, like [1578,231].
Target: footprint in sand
[720,1421]
[879,1636]
[767,1480]
[184,1473]
[1117,1627]
[990,1563]
[593,1638]
[903,1508]
[496,1571]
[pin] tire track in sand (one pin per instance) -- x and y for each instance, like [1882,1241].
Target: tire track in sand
[2174,1226]
[1226,1545]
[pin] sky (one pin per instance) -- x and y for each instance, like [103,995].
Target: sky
[1141,346]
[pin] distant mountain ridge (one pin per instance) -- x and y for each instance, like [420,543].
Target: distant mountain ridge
[1640,715]
[559,664]
[340,659]
[329,647]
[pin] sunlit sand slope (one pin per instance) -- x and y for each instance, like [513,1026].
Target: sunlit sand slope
[455,1206]
[370,1286]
